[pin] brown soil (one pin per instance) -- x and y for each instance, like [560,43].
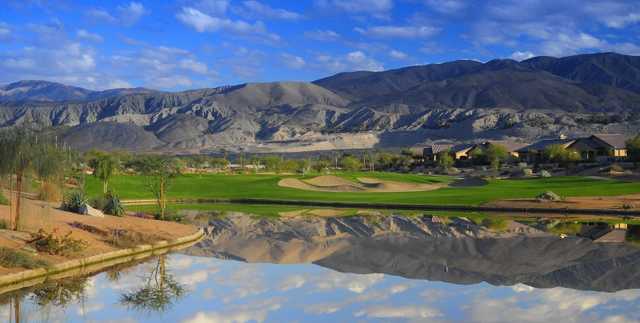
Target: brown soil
[364,184]
[591,202]
[97,232]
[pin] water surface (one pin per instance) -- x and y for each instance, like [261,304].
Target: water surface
[352,269]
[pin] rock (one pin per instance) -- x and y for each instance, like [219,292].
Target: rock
[549,196]
[545,173]
[90,211]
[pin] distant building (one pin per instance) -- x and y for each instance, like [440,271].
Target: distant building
[458,152]
[597,147]
[535,152]
[601,147]
[466,151]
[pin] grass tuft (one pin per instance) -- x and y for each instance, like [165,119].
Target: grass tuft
[10,258]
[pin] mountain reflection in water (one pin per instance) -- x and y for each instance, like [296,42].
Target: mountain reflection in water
[358,269]
[438,249]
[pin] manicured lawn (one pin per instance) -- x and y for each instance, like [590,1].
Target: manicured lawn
[266,187]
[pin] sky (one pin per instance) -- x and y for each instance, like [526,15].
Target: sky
[187,44]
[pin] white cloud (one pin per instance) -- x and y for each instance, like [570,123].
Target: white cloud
[194,66]
[322,35]
[521,56]
[101,14]
[202,22]
[292,282]
[127,15]
[131,13]
[354,283]
[118,84]
[253,312]
[396,54]
[5,31]
[446,6]
[212,7]
[379,8]
[258,9]
[399,31]
[292,61]
[84,34]
[399,312]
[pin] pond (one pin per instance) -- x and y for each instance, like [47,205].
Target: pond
[354,268]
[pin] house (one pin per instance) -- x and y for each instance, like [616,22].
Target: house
[458,152]
[430,153]
[511,146]
[535,152]
[601,147]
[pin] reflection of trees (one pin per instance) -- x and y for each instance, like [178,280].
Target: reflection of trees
[56,293]
[158,294]
[60,293]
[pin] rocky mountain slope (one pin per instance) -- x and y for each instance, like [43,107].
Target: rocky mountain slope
[459,252]
[460,100]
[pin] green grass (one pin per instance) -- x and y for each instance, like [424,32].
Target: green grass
[266,187]
[10,258]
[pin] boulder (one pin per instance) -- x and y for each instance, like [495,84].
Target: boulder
[90,211]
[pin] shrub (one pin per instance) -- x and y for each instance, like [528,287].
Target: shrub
[172,217]
[113,205]
[3,200]
[10,258]
[49,192]
[495,224]
[75,201]
[3,224]
[99,203]
[56,244]
[548,196]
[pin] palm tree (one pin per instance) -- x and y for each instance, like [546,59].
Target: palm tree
[104,168]
[22,152]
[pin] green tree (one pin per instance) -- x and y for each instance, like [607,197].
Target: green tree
[160,172]
[104,167]
[24,152]
[350,163]
[272,163]
[445,160]
[633,149]
[495,155]
[561,155]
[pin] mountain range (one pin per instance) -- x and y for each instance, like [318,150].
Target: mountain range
[453,101]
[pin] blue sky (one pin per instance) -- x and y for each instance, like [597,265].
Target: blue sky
[183,44]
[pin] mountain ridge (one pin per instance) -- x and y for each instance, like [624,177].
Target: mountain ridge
[459,100]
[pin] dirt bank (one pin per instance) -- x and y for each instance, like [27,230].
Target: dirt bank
[101,234]
[625,202]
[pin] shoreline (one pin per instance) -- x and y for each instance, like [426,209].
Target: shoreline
[399,206]
[93,264]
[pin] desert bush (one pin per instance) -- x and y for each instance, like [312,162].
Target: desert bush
[3,224]
[10,258]
[49,192]
[98,203]
[548,196]
[3,200]
[128,239]
[56,244]
[75,201]
[113,205]
[495,224]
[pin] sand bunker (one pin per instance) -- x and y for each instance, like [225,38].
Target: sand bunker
[363,184]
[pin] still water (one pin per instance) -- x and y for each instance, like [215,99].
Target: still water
[361,269]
